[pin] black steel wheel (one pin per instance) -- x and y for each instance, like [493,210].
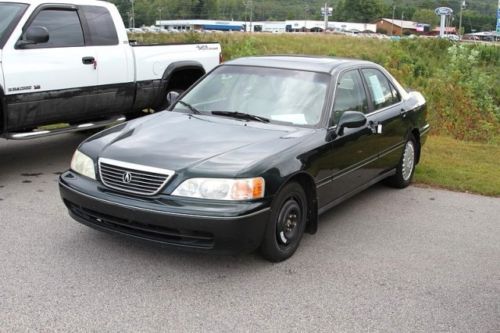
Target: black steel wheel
[286,225]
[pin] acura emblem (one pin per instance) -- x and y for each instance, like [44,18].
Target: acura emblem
[127,177]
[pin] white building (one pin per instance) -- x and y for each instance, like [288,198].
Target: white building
[265,26]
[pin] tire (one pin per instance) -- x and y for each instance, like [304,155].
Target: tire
[406,166]
[286,225]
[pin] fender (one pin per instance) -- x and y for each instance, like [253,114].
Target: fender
[169,73]
[175,66]
[309,185]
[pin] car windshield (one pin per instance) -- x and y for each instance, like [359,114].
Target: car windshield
[278,95]
[9,13]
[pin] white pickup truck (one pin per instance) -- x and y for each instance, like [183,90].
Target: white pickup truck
[70,62]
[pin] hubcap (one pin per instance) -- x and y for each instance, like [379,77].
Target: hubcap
[408,160]
[287,228]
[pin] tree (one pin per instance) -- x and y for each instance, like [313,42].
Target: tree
[427,16]
[360,10]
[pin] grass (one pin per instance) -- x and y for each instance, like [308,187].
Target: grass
[460,166]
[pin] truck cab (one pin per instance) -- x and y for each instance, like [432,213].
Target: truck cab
[71,63]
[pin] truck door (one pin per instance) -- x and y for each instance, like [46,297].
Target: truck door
[114,62]
[48,82]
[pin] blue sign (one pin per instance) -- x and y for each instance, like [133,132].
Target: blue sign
[498,19]
[443,11]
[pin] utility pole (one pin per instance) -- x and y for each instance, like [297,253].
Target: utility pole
[249,5]
[326,16]
[402,24]
[306,9]
[133,14]
[251,15]
[462,7]
[393,16]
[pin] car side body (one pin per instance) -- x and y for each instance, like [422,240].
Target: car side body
[324,163]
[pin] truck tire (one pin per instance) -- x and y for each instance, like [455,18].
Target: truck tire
[167,99]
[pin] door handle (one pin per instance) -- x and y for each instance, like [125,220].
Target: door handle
[403,113]
[375,127]
[88,60]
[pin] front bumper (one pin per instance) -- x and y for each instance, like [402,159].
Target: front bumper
[184,223]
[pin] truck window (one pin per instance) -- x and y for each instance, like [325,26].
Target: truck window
[101,26]
[65,29]
[9,16]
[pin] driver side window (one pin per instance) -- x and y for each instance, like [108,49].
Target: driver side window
[349,96]
[63,26]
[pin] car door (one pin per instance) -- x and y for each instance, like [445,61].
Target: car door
[48,82]
[388,116]
[349,161]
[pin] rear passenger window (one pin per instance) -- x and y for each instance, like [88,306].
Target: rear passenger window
[101,26]
[63,25]
[383,93]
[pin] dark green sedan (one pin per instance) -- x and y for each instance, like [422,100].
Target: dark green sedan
[250,156]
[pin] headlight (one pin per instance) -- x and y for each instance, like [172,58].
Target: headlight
[83,164]
[222,189]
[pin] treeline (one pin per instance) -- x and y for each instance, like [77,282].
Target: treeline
[479,15]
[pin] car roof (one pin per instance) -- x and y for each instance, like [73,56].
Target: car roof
[299,62]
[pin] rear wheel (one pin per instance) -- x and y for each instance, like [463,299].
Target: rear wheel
[406,166]
[286,225]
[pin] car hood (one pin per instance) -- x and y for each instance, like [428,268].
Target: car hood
[205,145]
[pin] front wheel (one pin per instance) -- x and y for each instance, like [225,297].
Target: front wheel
[287,224]
[406,166]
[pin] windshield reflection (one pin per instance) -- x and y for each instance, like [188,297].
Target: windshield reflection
[280,95]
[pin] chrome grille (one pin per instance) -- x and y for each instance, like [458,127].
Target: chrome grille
[133,178]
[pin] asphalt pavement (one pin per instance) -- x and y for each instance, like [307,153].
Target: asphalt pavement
[413,260]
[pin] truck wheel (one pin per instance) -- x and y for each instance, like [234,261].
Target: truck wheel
[287,223]
[406,166]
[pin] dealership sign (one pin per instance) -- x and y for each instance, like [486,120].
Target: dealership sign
[498,19]
[443,11]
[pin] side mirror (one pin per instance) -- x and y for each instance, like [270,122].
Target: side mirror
[172,97]
[34,35]
[350,119]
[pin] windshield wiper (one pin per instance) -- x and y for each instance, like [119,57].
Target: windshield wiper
[190,107]
[240,115]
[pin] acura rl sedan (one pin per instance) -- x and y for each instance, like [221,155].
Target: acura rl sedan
[250,156]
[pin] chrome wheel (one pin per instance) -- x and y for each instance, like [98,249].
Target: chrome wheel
[408,160]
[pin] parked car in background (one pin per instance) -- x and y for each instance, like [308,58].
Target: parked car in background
[71,62]
[250,156]
[451,37]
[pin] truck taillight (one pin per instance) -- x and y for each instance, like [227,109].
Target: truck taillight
[221,58]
